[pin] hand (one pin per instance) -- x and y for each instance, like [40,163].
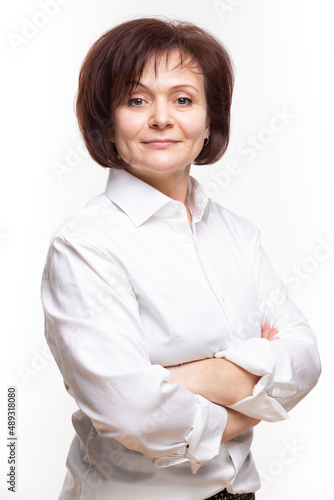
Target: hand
[268,333]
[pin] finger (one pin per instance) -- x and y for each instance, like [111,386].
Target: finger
[272,333]
[265,331]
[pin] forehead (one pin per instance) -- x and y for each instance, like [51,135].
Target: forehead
[170,66]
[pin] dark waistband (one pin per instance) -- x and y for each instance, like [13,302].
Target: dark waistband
[225,495]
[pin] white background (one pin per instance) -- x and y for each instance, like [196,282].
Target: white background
[283,56]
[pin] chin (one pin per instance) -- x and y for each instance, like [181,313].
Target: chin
[164,168]
[159,165]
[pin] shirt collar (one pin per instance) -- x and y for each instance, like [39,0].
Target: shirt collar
[126,190]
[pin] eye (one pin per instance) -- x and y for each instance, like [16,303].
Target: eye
[136,102]
[184,101]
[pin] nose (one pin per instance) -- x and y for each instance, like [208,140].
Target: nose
[161,116]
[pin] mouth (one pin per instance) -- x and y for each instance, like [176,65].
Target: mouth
[160,143]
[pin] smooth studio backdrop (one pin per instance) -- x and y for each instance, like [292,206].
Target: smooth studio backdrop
[278,172]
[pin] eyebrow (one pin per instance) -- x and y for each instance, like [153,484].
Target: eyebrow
[181,86]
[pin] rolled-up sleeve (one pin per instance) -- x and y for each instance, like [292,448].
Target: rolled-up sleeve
[94,330]
[289,366]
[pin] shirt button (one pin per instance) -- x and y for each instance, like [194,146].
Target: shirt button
[179,209]
[186,240]
[222,298]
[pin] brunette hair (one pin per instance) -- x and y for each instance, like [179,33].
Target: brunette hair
[115,63]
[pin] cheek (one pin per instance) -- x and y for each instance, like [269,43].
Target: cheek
[127,126]
[195,127]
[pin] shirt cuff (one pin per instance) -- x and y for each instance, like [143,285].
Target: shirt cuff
[255,356]
[203,441]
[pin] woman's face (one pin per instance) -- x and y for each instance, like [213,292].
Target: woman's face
[162,125]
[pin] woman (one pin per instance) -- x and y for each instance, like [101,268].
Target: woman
[166,320]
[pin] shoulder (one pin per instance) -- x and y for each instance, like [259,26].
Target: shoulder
[93,225]
[86,241]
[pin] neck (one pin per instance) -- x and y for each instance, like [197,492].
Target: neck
[172,184]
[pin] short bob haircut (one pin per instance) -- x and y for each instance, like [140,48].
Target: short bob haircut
[115,62]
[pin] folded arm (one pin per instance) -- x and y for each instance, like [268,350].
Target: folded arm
[223,383]
[218,379]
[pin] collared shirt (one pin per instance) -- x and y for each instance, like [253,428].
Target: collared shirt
[129,289]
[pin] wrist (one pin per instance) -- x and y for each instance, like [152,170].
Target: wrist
[236,424]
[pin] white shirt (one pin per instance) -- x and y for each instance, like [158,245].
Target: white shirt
[128,289]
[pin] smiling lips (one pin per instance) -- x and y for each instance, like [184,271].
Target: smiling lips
[160,143]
